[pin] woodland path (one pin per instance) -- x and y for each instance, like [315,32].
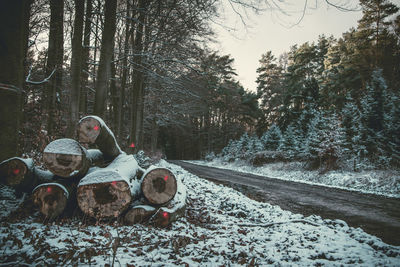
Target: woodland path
[376,215]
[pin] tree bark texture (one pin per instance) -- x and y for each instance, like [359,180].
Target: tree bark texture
[13,41]
[76,67]
[107,45]
[85,58]
[93,130]
[136,131]
[54,61]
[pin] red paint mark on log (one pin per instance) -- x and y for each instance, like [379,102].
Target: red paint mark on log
[114,183]
[16,171]
[165,215]
[132,145]
[49,189]
[96,128]
[165,177]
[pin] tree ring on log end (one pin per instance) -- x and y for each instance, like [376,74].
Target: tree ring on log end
[88,130]
[65,157]
[12,172]
[159,186]
[51,199]
[101,200]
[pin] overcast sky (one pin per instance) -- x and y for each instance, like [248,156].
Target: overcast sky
[271,31]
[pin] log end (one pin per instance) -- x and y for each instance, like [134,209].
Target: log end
[139,214]
[12,172]
[51,199]
[65,158]
[102,200]
[159,186]
[88,130]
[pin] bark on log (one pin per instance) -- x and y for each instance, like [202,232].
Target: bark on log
[159,186]
[161,216]
[93,130]
[66,158]
[52,198]
[109,191]
[22,175]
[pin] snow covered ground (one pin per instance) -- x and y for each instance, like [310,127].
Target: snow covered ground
[221,227]
[383,182]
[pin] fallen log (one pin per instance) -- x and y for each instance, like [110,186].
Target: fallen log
[109,191]
[159,216]
[66,158]
[22,175]
[159,186]
[53,198]
[93,130]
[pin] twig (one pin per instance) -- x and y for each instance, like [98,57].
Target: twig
[43,81]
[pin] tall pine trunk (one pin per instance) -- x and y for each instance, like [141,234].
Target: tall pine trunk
[76,66]
[54,61]
[13,33]
[107,45]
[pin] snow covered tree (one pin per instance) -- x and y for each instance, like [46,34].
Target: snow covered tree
[272,138]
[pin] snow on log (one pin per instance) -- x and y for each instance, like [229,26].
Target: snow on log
[159,186]
[107,192]
[52,198]
[93,130]
[159,216]
[66,158]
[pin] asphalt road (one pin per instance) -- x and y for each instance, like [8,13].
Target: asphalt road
[377,215]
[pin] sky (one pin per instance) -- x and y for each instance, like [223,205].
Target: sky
[277,32]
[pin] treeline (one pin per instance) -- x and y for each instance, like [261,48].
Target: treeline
[335,99]
[143,66]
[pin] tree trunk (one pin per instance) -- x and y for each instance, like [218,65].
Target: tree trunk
[53,198]
[13,21]
[159,186]
[108,192]
[66,158]
[85,58]
[93,130]
[121,100]
[76,67]
[54,61]
[107,44]
[136,130]
[163,216]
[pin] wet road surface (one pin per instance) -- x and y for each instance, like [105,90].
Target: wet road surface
[376,215]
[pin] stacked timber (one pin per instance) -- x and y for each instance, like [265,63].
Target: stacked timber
[104,182]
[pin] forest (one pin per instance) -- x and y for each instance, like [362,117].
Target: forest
[147,69]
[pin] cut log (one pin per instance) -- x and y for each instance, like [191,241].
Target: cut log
[160,216]
[18,173]
[159,186]
[109,191]
[93,130]
[139,213]
[66,158]
[22,175]
[52,198]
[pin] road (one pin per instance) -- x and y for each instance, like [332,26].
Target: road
[377,215]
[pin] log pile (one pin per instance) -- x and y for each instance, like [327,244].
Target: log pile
[104,183]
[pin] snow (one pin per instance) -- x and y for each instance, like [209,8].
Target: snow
[221,227]
[379,182]
[123,168]
[64,146]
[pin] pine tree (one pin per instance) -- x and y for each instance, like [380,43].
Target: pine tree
[272,138]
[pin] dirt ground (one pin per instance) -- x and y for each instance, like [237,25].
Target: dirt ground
[376,215]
